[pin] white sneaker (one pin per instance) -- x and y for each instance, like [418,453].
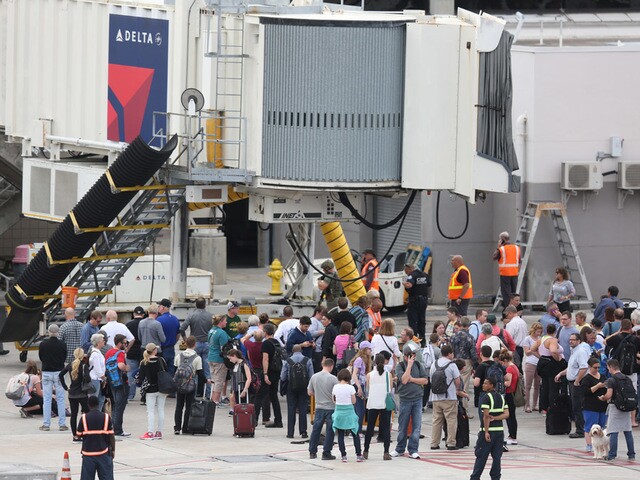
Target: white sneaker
[512,441]
[394,453]
[415,456]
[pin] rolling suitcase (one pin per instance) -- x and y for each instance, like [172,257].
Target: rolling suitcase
[201,417]
[558,421]
[244,419]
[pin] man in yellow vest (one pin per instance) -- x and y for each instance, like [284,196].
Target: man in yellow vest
[508,257]
[369,270]
[460,285]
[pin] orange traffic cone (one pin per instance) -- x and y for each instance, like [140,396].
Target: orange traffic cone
[66,469]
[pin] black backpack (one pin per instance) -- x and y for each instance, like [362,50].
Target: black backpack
[298,375]
[439,384]
[495,370]
[625,353]
[278,358]
[625,396]
[233,343]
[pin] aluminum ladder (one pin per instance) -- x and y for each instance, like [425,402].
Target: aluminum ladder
[566,243]
[120,245]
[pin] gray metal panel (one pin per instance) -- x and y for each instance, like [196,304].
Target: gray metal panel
[333,102]
[387,209]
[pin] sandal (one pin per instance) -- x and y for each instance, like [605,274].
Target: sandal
[527,410]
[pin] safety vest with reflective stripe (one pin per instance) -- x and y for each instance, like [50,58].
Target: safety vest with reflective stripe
[376,319]
[494,410]
[102,446]
[371,267]
[455,287]
[509,263]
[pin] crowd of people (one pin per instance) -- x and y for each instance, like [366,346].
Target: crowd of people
[350,368]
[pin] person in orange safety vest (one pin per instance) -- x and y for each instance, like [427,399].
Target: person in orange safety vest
[98,443]
[508,256]
[460,285]
[369,270]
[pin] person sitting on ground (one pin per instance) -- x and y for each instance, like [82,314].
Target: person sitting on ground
[31,402]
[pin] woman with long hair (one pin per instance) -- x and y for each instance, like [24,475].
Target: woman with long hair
[32,401]
[342,342]
[531,377]
[240,377]
[551,363]
[594,410]
[379,382]
[386,339]
[360,367]
[510,385]
[150,366]
[77,396]
[562,290]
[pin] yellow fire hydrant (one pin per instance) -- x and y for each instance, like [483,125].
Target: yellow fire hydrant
[276,275]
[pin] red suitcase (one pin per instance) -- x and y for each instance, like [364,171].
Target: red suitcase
[244,420]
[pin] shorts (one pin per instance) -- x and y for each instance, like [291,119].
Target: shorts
[594,418]
[218,375]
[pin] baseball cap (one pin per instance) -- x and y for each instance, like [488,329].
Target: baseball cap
[165,302]
[491,318]
[138,310]
[232,304]
[409,349]
[364,344]
[326,265]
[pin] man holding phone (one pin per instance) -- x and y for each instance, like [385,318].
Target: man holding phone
[508,256]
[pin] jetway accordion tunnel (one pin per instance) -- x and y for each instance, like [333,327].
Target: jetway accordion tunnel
[99,207]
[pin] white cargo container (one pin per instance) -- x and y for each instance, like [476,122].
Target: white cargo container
[149,280]
[59,53]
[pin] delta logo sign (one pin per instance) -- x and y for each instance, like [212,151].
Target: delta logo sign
[138,71]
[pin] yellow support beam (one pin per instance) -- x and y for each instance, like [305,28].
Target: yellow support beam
[92,258]
[343,260]
[116,189]
[47,296]
[78,229]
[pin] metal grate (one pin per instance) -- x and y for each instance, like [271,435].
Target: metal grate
[578,176]
[632,175]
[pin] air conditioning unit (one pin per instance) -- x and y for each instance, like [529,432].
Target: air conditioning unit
[629,175]
[581,176]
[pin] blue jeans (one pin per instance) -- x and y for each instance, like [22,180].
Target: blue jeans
[100,464]
[409,409]
[359,408]
[97,384]
[169,355]
[483,450]
[202,349]
[321,417]
[134,366]
[119,404]
[613,445]
[49,381]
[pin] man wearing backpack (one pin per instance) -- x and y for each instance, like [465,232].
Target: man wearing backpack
[488,368]
[296,372]
[272,357]
[445,382]
[116,372]
[188,369]
[412,377]
[624,347]
[622,397]
[217,338]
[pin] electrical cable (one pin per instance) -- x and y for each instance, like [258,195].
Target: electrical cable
[403,213]
[466,224]
[348,282]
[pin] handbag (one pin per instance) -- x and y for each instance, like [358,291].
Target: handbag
[349,353]
[166,383]
[518,394]
[389,401]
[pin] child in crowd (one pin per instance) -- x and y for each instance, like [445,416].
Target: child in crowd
[344,417]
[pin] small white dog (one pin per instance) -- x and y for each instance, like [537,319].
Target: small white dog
[600,442]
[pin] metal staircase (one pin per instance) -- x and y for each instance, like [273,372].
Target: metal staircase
[566,243]
[119,246]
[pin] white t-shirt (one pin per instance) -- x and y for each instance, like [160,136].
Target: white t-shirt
[114,328]
[343,392]
[494,342]
[518,329]
[284,328]
[378,345]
